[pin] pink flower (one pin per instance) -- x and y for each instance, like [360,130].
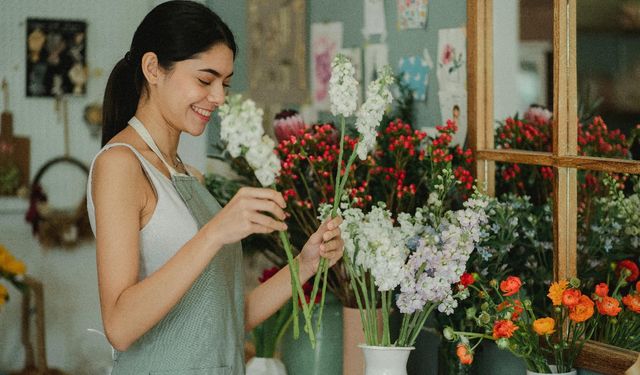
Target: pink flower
[537,114]
[447,54]
[288,123]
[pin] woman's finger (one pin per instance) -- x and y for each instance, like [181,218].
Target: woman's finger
[328,248]
[268,222]
[328,235]
[265,205]
[266,194]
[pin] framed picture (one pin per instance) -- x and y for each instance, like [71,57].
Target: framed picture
[56,57]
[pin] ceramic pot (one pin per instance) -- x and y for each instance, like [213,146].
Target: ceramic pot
[265,366]
[385,360]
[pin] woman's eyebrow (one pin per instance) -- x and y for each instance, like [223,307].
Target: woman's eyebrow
[214,72]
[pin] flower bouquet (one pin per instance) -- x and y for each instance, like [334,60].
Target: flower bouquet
[619,312]
[547,344]
[424,255]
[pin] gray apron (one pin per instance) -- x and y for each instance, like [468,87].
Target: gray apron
[204,333]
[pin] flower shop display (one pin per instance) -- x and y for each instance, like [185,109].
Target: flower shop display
[423,256]
[547,343]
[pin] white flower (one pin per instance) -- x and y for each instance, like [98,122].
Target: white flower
[370,114]
[343,87]
[241,129]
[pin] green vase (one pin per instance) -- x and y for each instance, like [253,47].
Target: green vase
[326,359]
[490,360]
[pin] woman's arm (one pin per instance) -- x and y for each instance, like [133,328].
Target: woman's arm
[130,308]
[268,297]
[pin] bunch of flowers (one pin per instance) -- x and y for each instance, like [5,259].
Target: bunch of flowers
[541,341]
[424,255]
[241,129]
[12,270]
[619,311]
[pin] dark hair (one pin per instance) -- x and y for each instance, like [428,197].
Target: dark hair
[174,31]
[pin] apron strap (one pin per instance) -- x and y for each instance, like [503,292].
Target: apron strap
[146,137]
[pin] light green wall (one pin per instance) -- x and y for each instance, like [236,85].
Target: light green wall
[442,14]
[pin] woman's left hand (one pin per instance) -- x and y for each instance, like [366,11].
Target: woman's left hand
[326,242]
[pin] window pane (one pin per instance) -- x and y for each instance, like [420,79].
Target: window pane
[608,66]
[527,191]
[522,70]
[608,242]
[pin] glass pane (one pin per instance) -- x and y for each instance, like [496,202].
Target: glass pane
[525,195]
[608,243]
[522,67]
[608,65]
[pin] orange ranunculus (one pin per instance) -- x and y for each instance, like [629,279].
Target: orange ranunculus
[503,329]
[15,267]
[608,306]
[583,310]
[544,326]
[631,267]
[602,290]
[632,301]
[516,307]
[464,354]
[638,287]
[4,294]
[571,297]
[510,286]
[556,290]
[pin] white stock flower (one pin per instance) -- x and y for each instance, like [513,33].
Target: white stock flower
[241,129]
[370,113]
[343,87]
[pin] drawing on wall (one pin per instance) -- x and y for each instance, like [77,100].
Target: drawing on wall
[56,57]
[374,19]
[415,72]
[412,14]
[452,79]
[452,58]
[375,56]
[326,41]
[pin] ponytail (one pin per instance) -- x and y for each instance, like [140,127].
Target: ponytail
[121,98]
[175,31]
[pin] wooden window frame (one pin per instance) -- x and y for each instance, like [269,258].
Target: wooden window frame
[564,159]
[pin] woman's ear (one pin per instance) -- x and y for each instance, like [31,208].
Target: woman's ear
[150,67]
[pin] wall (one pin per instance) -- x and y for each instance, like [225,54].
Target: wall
[442,14]
[69,278]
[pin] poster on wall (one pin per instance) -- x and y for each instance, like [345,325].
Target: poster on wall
[375,57]
[415,72]
[56,57]
[452,59]
[326,42]
[412,14]
[374,19]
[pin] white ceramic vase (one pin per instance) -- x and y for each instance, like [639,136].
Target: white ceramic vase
[265,366]
[385,360]
[553,371]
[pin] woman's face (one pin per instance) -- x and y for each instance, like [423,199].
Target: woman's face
[194,88]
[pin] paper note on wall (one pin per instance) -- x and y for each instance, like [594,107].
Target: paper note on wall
[412,14]
[326,41]
[374,19]
[415,72]
[452,59]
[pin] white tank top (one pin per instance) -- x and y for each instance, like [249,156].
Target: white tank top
[171,225]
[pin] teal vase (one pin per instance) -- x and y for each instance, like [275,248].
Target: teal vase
[326,359]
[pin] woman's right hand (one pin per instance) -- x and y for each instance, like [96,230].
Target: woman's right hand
[251,210]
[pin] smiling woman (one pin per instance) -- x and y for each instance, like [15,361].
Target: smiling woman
[169,257]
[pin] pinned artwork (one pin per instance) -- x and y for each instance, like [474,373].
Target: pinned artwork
[326,42]
[56,57]
[375,56]
[452,59]
[453,106]
[415,71]
[375,21]
[412,14]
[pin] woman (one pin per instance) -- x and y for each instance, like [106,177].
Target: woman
[168,256]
